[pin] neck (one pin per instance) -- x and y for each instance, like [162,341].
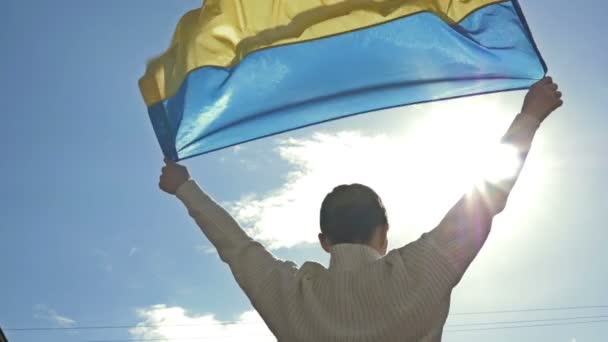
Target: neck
[379,241]
[349,256]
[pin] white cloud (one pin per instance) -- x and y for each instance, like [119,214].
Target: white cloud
[45,313]
[418,175]
[176,324]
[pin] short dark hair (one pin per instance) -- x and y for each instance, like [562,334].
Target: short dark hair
[351,213]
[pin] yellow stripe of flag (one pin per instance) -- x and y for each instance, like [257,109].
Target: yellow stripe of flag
[223,32]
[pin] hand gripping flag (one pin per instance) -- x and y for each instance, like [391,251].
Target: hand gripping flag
[239,70]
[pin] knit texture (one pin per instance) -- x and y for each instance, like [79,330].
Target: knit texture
[362,296]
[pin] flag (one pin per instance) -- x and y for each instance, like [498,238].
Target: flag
[240,70]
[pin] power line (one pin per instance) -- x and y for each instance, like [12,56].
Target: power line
[528,321]
[105,327]
[530,310]
[201,339]
[515,326]
[206,338]
[465,327]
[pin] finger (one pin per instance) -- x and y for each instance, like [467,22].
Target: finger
[162,183]
[552,86]
[558,94]
[169,161]
[546,80]
[557,105]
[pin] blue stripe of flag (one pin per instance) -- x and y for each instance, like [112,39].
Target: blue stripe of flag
[415,59]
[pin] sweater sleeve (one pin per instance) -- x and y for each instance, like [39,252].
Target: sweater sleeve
[251,264]
[465,228]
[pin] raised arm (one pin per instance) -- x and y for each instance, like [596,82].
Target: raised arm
[253,267]
[465,228]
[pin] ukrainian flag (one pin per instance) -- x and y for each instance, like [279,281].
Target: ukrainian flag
[239,70]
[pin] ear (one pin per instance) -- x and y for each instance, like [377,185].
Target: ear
[324,241]
[385,238]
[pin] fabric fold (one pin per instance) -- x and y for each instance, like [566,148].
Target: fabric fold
[238,71]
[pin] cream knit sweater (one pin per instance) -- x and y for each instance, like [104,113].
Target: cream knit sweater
[362,296]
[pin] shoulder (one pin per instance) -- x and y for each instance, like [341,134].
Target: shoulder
[311,269]
[425,261]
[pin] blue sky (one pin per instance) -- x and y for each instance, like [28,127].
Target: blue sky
[88,239]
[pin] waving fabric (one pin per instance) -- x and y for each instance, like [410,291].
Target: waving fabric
[240,70]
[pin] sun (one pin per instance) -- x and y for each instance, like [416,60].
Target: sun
[440,154]
[462,138]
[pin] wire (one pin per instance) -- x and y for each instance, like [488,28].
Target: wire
[103,327]
[528,321]
[517,326]
[446,331]
[451,328]
[201,339]
[530,310]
